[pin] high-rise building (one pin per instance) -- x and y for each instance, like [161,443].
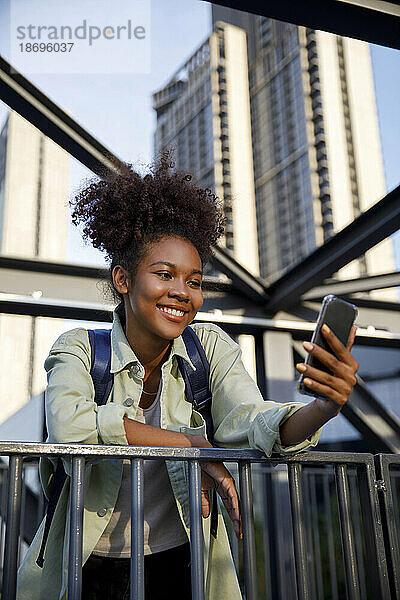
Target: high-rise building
[33,225]
[204,113]
[316,144]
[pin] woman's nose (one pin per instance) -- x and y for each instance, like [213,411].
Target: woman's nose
[180,294]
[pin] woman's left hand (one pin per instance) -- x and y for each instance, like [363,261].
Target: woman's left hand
[336,385]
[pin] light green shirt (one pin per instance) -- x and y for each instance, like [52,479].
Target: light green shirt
[241,419]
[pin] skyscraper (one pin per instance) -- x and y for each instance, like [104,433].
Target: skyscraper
[204,113]
[316,145]
[33,224]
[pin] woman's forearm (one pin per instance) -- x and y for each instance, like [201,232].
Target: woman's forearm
[305,422]
[140,434]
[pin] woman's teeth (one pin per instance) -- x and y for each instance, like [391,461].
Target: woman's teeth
[172,311]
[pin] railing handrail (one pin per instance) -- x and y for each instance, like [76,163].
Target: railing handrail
[30,449]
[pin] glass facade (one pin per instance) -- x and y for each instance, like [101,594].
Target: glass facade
[284,200]
[184,119]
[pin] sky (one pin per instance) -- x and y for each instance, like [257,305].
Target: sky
[117,108]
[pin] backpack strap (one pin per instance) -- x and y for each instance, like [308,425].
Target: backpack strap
[197,387]
[103,379]
[197,390]
[100,347]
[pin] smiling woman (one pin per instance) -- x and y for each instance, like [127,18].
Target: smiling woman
[158,231]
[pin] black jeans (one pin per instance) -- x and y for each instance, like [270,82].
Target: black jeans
[166,575]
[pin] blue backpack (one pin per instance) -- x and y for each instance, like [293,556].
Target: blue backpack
[197,391]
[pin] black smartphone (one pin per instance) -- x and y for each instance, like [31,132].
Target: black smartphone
[339,315]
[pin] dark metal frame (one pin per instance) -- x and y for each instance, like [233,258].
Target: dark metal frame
[384,463]
[375,25]
[32,104]
[370,228]
[347,287]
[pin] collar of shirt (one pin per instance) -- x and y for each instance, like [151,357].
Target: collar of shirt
[122,354]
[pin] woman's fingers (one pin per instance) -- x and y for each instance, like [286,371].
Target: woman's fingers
[341,352]
[205,503]
[336,384]
[352,337]
[218,477]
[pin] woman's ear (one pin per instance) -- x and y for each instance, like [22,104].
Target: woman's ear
[121,279]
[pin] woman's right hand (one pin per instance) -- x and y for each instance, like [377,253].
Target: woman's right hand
[214,475]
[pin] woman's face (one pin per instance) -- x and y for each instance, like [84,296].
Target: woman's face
[166,293]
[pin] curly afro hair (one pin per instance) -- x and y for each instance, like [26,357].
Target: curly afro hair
[123,213]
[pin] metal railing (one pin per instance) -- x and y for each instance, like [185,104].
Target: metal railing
[376,496]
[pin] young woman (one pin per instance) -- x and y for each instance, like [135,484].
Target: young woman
[157,232]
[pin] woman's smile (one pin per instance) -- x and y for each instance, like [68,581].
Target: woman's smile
[176,315]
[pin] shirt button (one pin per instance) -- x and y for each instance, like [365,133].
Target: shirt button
[136,369]
[128,402]
[101,512]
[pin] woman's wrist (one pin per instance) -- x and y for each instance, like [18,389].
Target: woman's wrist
[303,423]
[198,441]
[140,434]
[327,409]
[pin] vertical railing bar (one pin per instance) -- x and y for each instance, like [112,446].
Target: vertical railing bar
[373,531]
[347,535]
[308,528]
[137,529]
[396,501]
[4,488]
[12,528]
[299,533]
[315,529]
[287,589]
[266,504]
[331,545]
[76,528]
[249,544]
[196,531]
[22,520]
[354,509]
[390,510]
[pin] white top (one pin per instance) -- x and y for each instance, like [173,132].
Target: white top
[162,525]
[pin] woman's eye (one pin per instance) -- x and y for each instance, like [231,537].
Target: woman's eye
[164,274]
[195,283]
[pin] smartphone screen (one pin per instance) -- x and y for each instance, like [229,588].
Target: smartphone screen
[339,315]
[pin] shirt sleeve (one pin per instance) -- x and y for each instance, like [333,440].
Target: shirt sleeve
[72,415]
[241,416]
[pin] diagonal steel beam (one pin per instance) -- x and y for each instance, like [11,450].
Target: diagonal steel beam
[27,100]
[368,20]
[242,280]
[370,228]
[351,286]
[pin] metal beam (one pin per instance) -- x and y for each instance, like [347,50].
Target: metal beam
[372,21]
[27,100]
[371,227]
[379,427]
[250,286]
[351,286]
